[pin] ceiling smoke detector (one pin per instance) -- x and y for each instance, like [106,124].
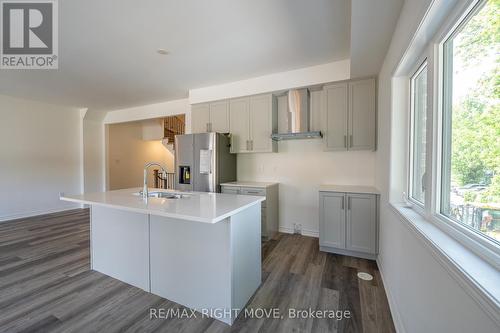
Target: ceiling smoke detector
[162,51]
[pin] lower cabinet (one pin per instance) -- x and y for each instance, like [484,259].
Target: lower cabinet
[349,223]
[269,207]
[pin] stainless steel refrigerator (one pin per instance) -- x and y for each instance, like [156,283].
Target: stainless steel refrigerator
[203,161]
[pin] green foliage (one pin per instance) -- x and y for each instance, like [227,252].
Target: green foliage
[470,196]
[476,119]
[481,34]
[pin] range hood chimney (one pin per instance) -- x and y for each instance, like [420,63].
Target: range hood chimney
[297,117]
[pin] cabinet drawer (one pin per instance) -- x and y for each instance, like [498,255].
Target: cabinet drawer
[230,189]
[253,191]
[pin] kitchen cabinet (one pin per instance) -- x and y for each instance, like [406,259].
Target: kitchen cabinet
[362,120]
[219,117]
[239,125]
[349,221]
[269,207]
[200,118]
[335,135]
[252,121]
[350,115]
[210,117]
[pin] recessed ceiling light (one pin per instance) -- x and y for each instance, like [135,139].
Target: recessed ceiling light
[162,51]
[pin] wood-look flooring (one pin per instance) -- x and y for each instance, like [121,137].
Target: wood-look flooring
[46,285]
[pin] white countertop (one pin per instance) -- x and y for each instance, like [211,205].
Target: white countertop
[249,184]
[349,189]
[195,206]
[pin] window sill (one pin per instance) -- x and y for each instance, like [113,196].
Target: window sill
[477,276]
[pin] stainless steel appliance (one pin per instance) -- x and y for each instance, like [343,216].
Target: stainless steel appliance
[294,122]
[203,162]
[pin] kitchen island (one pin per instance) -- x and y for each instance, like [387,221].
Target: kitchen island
[201,250]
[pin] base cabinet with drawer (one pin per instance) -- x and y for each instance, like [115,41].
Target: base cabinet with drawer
[349,223]
[269,208]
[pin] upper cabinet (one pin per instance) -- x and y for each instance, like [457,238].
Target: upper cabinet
[263,123]
[252,121]
[210,117]
[219,117]
[239,127]
[350,115]
[200,118]
[362,115]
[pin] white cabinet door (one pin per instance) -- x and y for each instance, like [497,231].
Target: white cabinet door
[219,117]
[239,125]
[332,220]
[361,233]
[336,116]
[200,118]
[261,123]
[362,115]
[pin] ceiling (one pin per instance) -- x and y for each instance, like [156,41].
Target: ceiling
[108,58]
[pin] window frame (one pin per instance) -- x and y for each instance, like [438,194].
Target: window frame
[422,64]
[480,244]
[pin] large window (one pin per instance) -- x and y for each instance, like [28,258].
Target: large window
[418,127]
[470,166]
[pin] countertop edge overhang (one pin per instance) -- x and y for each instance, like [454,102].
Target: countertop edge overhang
[157,211]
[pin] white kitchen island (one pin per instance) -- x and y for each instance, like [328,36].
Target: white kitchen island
[202,250]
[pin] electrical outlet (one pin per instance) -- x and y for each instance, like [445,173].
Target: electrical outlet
[297,229]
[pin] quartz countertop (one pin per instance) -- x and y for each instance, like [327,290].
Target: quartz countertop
[193,206]
[349,189]
[249,184]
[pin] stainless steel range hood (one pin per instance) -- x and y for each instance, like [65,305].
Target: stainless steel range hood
[296,117]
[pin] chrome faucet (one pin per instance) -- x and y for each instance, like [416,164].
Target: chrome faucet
[145,192]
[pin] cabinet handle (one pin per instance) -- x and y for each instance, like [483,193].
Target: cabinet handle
[349,203]
[350,141]
[345,141]
[248,145]
[342,203]
[251,144]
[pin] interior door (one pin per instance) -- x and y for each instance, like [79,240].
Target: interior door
[239,124]
[219,117]
[361,223]
[332,220]
[362,115]
[261,123]
[200,117]
[336,116]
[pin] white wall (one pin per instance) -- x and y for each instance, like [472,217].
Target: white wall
[40,157]
[150,111]
[424,296]
[301,167]
[128,153]
[303,77]
[93,154]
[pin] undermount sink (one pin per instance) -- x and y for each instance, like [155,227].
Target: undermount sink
[163,195]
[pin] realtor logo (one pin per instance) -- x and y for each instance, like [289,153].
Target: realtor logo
[29,34]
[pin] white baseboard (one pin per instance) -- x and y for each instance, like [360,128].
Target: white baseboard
[23,215]
[396,315]
[305,232]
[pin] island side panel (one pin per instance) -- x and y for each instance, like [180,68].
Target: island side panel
[120,245]
[246,255]
[191,264]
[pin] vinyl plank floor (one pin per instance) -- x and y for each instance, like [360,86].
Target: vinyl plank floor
[46,285]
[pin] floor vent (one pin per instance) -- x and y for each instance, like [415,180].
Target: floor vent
[365,276]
